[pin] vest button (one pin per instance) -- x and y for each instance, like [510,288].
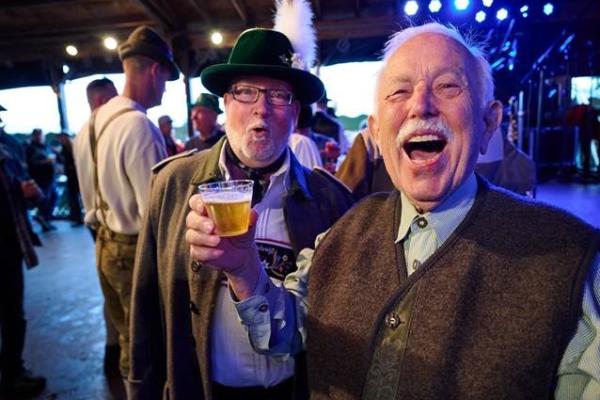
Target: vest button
[392,320]
[421,222]
[263,308]
[196,266]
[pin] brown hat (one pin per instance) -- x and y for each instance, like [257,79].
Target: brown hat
[145,41]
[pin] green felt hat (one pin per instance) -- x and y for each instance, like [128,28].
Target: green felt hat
[263,52]
[145,41]
[209,101]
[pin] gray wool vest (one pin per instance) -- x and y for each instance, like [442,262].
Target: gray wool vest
[487,316]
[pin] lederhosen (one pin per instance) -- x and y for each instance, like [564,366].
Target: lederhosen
[115,255]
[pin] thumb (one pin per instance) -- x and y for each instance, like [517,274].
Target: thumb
[253,218]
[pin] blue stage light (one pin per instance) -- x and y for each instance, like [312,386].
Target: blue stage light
[524,9]
[488,3]
[502,14]
[411,7]
[461,4]
[548,8]
[480,16]
[435,6]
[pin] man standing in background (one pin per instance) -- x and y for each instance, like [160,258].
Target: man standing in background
[16,245]
[204,119]
[41,162]
[118,147]
[100,91]
[165,124]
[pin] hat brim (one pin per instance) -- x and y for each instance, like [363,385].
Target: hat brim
[307,87]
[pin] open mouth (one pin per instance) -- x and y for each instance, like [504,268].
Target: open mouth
[260,131]
[424,147]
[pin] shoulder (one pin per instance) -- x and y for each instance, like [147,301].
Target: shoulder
[530,216]
[324,177]
[184,155]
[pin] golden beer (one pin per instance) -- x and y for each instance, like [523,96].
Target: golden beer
[228,205]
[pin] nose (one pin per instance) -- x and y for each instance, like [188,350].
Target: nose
[423,103]
[262,106]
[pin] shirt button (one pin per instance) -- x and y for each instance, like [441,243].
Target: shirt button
[392,320]
[263,308]
[416,264]
[421,222]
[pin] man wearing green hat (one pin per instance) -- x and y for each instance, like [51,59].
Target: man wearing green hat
[187,341]
[204,119]
[118,147]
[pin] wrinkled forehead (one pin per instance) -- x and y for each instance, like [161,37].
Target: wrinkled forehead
[428,52]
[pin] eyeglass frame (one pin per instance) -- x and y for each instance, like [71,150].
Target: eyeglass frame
[258,92]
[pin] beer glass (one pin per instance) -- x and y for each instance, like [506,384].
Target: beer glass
[228,204]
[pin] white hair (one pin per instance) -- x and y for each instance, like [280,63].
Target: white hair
[485,80]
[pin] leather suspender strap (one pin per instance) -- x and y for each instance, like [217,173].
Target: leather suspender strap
[94,139]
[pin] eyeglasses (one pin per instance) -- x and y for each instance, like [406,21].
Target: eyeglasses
[249,95]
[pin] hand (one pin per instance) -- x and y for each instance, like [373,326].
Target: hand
[30,189]
[236,256]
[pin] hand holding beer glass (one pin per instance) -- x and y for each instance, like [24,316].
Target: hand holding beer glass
[220,236]
[228,205]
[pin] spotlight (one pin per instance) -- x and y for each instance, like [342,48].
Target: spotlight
[548,8]
[110,43]
[502,14]
[216,38]
[411,7]
[480,16]
[461,4]
[66,69]
[488,3]
[435,6]
[524,9]
[71,50]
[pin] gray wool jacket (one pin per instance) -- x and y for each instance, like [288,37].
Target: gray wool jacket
[173,298]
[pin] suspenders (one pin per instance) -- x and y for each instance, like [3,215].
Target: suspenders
[94,139]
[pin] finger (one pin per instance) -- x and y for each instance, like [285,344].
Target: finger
[205,254]
[200,239]
[253,217]
[196,204]
[199,222]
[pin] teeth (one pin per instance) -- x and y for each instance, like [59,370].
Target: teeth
[424,138]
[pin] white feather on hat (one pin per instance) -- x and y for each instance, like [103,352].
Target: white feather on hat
[293,18]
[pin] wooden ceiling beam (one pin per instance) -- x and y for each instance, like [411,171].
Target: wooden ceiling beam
[47,3]
[196,4]
[239,8]
[161,14]
[81,30]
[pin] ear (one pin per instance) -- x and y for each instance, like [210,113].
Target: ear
[155,68]
[491,119]
[296,113]
[373,127]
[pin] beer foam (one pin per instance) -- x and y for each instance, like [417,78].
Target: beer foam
[226,197]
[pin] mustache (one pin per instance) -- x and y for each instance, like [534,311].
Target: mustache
[414,125]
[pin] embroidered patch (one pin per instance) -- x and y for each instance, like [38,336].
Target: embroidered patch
[278,258]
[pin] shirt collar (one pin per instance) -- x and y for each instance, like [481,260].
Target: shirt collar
[281,174]
[446,217]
